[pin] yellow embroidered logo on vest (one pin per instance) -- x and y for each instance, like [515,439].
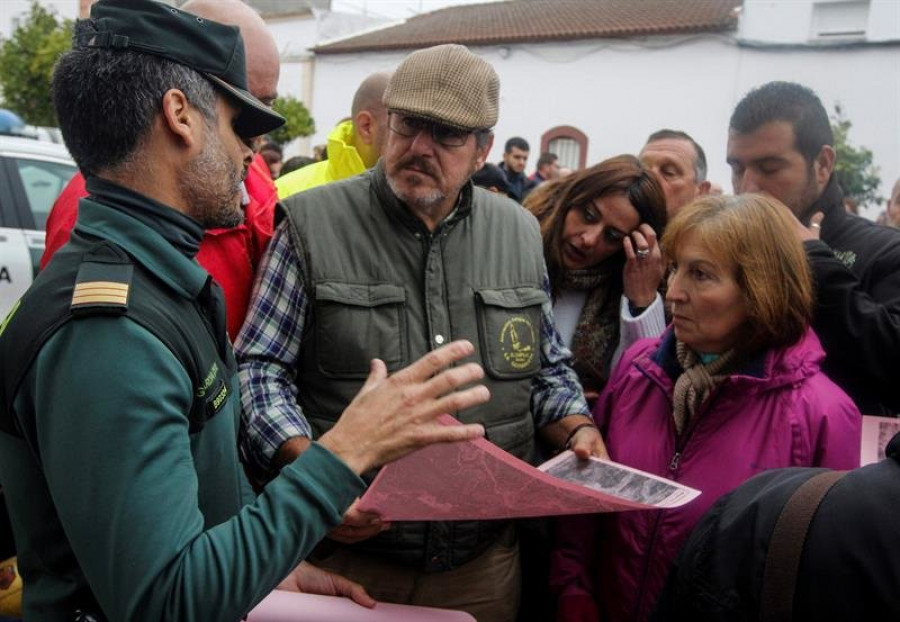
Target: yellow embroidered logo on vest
[517,342]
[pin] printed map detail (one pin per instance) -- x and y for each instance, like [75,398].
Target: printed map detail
[476,480]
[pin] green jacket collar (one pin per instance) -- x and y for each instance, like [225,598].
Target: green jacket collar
[161,238]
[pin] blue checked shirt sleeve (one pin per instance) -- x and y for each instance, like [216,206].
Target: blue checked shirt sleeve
[555,390]
[267,348]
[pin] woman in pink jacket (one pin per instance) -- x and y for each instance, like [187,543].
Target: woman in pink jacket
[731,389]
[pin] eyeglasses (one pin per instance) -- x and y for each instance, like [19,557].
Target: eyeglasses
[410,127]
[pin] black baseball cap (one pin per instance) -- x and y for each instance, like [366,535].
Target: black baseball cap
[210,48]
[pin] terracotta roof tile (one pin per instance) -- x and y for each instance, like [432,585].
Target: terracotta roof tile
[516,21]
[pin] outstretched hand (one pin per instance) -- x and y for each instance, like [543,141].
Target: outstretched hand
[392,416]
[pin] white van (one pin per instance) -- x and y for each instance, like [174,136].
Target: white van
[32,174]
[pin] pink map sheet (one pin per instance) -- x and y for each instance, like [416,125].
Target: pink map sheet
[280,606]
[876,433]
[476,480]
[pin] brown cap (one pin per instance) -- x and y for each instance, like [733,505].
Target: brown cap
[446,84]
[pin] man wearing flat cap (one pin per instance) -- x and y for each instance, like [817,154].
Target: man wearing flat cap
[118,389]
[392,264]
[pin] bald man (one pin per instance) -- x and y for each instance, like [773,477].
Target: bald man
[263,62]
[229,255]
[354,145]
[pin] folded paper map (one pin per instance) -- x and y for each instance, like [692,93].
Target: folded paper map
[282,606]
[476,480]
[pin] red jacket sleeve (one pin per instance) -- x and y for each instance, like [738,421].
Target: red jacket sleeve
[260,214]
[62,217]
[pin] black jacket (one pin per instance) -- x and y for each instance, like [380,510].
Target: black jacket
[849,569]
[856,268]
[518,184]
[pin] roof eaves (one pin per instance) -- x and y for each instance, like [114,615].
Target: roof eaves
[335,47]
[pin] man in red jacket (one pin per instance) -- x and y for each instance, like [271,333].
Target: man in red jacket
[229,255]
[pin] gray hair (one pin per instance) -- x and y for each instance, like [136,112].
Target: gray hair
[700,168]
[106,100]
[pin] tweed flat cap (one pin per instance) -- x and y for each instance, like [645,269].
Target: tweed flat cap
[447,84]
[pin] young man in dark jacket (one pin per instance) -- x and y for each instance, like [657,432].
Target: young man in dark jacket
[515,158]
[780,142]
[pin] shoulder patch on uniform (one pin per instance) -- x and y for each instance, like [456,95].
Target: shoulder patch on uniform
[100,292]
[103,284]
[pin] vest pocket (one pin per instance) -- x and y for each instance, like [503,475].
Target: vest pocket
[356,323]
[509,330]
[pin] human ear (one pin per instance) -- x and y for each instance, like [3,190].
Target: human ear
[364,123]
[180,117]
[824,164]
[482,153]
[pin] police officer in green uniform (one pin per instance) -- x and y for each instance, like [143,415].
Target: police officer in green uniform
[118,407]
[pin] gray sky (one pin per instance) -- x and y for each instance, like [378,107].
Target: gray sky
[394,9]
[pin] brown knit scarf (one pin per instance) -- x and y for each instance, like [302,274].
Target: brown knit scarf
[597,331]
[695,383]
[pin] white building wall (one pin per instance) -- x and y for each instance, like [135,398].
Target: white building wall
[618,92]
[782,21]
[884,21]
[294,36]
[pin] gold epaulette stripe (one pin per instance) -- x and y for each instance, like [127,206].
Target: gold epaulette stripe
[100,292]
[91,285]
[99,299]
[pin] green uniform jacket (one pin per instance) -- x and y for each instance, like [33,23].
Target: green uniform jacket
[114,501]
[343,162]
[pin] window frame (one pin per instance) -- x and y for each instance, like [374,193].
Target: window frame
[570,132]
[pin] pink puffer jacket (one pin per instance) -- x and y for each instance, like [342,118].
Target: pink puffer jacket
[779,411]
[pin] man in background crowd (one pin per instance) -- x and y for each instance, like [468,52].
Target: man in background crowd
[354,145]
[490,177]
[547,169]
[515,159]
[295,163]
[273,155]
[780,142]
[891,214]
[680,165]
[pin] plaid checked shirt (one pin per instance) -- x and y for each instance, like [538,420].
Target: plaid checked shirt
[268,348]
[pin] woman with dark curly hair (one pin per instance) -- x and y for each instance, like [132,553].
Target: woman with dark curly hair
[600,228]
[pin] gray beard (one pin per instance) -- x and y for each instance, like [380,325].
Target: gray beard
[426,203]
